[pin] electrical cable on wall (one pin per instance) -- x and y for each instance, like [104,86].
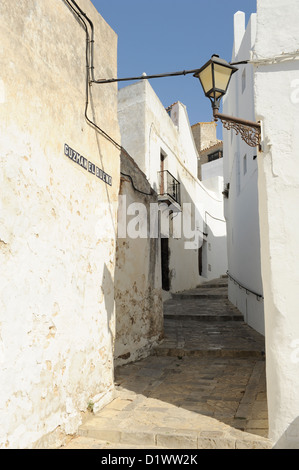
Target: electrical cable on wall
[215,218]
[81,15]
[134,187]
[90,78]
[89,65]
[91,41]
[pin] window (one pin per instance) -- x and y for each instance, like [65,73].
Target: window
[245,164]
[200,261]
[215,155]
[162,160]
[238,179]
[165,264]
[243,80]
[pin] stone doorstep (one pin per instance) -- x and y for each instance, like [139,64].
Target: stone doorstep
[200,295]
[203,317]
[80,442]
[217,352]
[175,438]
[221,285]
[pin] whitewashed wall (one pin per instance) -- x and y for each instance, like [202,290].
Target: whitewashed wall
[147,129]
[57,223]
[138,288]
[212,169]
[277,105]
[241,173]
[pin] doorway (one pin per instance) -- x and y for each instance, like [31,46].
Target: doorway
[165,264]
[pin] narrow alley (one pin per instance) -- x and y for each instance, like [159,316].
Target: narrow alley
[203,387]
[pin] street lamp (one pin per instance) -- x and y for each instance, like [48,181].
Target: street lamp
[215,77]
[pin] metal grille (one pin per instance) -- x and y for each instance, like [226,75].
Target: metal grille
[169,186]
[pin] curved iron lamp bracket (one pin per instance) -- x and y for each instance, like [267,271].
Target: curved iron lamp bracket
[249,131]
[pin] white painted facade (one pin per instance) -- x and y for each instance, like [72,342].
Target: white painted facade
[241,174]
[213,169]
[147,132]
[268,92]
[276,85]
[58,223]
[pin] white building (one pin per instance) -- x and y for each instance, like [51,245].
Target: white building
[266,248]
[162,145]
[276,85]
[213,169]
[240,181]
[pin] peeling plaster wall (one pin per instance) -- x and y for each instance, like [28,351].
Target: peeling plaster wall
[58,222]
[277,106]
[138,292]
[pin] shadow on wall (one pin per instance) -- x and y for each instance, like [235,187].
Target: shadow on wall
[213,258]
[108,292]
[290,438]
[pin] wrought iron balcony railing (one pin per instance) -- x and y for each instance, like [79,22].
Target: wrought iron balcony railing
[169,187]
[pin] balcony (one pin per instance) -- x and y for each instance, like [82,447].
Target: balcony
[169,190]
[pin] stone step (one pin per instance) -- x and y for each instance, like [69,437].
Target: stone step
[210,285]
[195,296]
[203,317]
[165,351]
[91,443]
[118,428]
[204,293]
[98,438]
[218,338]
[201,309]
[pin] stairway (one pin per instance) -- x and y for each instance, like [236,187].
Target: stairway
[203,387]
[202,322]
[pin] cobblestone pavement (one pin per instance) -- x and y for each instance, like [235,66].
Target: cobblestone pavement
[203,387]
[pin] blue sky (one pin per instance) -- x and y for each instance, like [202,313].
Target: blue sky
[162,36]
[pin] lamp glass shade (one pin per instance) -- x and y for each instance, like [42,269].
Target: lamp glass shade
[206,79]
[222,77]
